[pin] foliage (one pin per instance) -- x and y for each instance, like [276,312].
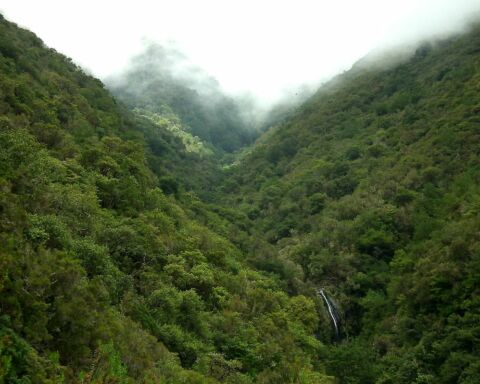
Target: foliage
[111,271]
[115,269]
[371,189]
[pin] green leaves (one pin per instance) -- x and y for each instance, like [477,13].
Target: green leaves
[372,188]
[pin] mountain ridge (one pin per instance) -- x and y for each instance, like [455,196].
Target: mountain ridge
[368,187]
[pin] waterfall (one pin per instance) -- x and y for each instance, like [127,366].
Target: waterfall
[332,311]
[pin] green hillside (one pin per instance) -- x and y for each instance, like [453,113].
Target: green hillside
[372,187]
[110,270]
[130,254]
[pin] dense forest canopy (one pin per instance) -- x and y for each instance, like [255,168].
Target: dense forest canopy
[129,254]
[111,271]
[372,188]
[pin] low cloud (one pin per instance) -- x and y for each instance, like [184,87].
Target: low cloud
[264,49]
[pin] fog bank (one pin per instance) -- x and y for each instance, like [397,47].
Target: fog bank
[259,48]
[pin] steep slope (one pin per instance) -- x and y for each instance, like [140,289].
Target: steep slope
[372,187]
[160,81]
[109,270]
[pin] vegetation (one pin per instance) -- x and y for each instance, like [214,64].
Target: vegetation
[372,188]
[111,271]
[129,255]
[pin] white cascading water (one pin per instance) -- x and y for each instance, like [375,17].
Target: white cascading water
[330,308]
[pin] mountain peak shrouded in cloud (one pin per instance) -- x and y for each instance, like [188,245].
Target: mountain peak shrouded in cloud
[262,48]
[164,61]
[161,83]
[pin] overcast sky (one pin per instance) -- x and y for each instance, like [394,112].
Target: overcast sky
[261,46]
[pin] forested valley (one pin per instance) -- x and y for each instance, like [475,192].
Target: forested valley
[149,234]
